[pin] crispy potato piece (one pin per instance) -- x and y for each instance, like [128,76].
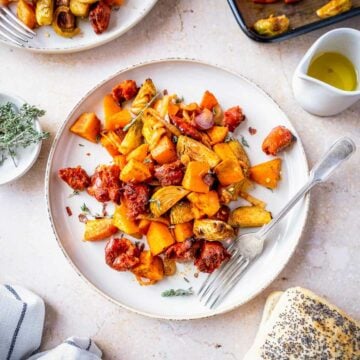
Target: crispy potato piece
[26,13]
[334,7]
[272,26]
[99,229]
[212,230]
[249,216]
[181,212]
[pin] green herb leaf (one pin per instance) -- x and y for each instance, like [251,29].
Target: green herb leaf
[157,201]
[244,142]
[85,209]
[178,292]
[74,193]
[17,129]
[131,123]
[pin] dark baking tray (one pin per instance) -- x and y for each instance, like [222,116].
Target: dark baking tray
[302,16]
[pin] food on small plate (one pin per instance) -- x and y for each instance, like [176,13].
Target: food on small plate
[333,8]
[18,130]
[278,139]
[272,26]
[63,15]
[302,325]
[174,172]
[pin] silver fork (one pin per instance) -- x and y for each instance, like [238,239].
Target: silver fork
[247,247]
[12,29]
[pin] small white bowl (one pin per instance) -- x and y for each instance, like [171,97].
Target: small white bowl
[25,157]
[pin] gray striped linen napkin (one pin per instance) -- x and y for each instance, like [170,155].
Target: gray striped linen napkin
[22,316]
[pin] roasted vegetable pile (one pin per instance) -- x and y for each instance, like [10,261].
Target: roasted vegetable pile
[276,25]
[63,14]
[175,170]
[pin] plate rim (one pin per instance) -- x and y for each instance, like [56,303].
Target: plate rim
[67,256]
[75,49]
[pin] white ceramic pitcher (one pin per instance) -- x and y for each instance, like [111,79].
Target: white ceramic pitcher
[316,96]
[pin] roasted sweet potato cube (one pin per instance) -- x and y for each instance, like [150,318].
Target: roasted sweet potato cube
[110,107]
[159,237]
[217,134]
[229,172]
[194,176]
[165,151]
[209,100]
[183,231]
[266,174]
[87,126]
[207,203]
[123,222]
[224,151]
[150,268]
[135,171]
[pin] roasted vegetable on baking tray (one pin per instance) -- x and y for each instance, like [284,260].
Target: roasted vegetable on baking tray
[63,14]
[174,175]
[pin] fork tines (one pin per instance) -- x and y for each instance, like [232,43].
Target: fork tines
[12,29]
[217,285]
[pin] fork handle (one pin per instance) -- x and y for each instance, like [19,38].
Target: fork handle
[336,155]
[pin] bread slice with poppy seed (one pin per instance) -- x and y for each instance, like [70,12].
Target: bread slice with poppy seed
[298,324]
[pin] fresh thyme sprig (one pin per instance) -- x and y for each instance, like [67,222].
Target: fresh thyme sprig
[131,123]
[17,129]
[178,292]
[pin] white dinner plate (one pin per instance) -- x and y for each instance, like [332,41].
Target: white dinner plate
[122,20]
[189,79]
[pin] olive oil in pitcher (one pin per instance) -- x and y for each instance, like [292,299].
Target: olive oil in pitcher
[334,69]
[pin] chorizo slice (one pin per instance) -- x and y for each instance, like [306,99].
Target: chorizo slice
[76,178]
[211,256]
[183,251]
[124,91]
[278,139]
[136,198]
[99,17]
[170,174]
[105,184]
[122,254]
[233,117]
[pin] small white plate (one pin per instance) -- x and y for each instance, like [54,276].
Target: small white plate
[25,157]
[189,79]
[122,20]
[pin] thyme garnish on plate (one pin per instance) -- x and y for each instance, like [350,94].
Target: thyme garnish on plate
[178,292]
[131,123]
[17,129]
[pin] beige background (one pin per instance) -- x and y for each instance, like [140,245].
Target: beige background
[326,261]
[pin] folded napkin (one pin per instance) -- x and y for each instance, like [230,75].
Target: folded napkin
[297,324]
[22,316]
